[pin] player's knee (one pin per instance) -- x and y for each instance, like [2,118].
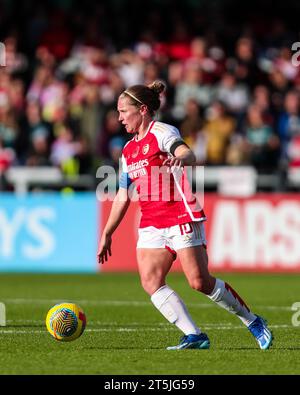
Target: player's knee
[146,286]
[197,284]
[201,285]
[150,286]
[151,282]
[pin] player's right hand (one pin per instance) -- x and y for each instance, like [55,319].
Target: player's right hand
[104,248]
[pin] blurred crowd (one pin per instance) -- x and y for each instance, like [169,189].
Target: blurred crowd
[233,93]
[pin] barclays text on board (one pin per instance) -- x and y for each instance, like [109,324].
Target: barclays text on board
[48,233]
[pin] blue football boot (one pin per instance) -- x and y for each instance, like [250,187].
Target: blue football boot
[200,342]
[261,332]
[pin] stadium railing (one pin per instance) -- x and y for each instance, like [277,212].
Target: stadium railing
[23,178]
[223,179]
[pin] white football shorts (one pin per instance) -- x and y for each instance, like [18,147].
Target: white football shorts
[174,238]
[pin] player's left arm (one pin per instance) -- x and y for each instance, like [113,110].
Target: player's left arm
[182,155]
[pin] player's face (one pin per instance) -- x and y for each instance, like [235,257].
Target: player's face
[129,115]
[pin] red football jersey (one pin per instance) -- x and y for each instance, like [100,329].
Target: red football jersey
[165,196]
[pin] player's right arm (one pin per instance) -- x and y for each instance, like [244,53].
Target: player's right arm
[119,207]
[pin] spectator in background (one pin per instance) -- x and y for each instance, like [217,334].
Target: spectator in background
[8,125]
[261,143]
[84,156]
[174,77]
[7,157]
[77,95]
[16,62]
[130,67]
[234,94]
[289,125]
[192,123]
[5,86]
[62,117]
[151,72]
[218,130]
[94,66]
[54,99]
[243,64]
[16,97]
[44,57]
[283,63]
[199,55]
[91,117]
[192,87]
[41,76]
[261,99]
[235,155]
[64,150]
[49,92]
[5,81]
[279,87]
[33,131]
[110,91]
[39,151]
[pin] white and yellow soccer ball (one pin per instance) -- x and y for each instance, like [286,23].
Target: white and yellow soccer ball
[66,322]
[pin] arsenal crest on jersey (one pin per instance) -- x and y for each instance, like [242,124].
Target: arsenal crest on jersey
[146,149]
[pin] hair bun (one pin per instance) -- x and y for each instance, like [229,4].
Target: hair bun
[157,86]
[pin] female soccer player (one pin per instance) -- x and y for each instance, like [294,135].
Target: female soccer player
[172,221]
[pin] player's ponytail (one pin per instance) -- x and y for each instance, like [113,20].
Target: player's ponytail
[157,87]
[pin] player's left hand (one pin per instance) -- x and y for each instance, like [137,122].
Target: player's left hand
[173,162]
[104,248]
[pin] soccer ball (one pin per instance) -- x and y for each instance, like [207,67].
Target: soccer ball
[65,322]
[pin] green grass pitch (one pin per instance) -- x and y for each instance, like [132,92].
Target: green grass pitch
[126,335]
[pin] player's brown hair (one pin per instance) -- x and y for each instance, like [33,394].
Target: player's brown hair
[148,95]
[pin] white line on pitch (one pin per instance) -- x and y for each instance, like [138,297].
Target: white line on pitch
[149,329]
[124,303]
